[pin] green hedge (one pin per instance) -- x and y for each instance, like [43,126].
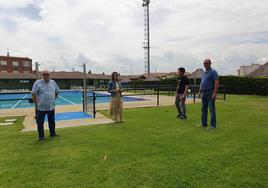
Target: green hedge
[233,84]
[245,85]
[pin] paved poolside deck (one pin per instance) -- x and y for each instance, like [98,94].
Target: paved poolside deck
[30,125]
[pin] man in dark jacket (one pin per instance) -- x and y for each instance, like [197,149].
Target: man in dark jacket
[182,88]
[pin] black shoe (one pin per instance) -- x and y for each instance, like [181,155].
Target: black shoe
[179,115]
[53,136]
[183,117]
[41,139]
[212,127]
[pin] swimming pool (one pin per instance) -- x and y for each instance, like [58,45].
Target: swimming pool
[17,100]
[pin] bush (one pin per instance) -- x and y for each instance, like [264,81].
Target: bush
[245,85]
[232,84]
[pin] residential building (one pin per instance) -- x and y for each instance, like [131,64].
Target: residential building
[245,70]
[261,71]
[197,73]
[15,64]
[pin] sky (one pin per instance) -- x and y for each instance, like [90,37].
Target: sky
[107,35]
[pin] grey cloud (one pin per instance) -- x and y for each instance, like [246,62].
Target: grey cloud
[9,25]
[233,61]
[67,33]
[171,60]
[82,58]
[31,11]
[54,39]
[125,64]
[77,62]
[67,64]
[180,39]
[260,37]
[159,16]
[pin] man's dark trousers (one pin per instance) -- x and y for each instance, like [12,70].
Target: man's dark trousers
[40,122]
[208,102]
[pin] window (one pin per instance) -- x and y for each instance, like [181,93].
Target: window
[16,71]
[3,70]
[26,63]
[15,64]
[3,63]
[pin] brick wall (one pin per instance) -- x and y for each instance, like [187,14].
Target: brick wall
[15,64]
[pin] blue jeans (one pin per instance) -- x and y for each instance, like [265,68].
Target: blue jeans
[208,102]
[40,122]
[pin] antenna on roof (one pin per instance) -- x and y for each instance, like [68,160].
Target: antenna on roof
[7,52]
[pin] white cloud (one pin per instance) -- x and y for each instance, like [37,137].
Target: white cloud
[108,35]
[15,3]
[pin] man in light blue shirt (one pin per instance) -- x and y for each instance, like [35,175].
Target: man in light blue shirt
[44,94]
[209,89]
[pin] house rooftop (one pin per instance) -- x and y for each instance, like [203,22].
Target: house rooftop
[14,57]
[261,71]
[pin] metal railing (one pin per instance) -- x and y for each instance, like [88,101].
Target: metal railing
[156,91]
[133,90]
[171,89]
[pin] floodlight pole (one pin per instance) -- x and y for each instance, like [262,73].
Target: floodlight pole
[146,43]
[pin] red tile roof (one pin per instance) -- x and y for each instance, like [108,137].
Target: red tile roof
[13,57]
[59,75]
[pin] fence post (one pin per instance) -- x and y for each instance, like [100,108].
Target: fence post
[158,97]
[85,88]
[194,94]
[94,104]
[83,98]
[224,93]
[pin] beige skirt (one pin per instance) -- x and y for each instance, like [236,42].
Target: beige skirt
[116,106]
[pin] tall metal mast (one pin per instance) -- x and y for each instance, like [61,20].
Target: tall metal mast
[146,43]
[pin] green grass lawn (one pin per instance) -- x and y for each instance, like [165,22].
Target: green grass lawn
[151,149]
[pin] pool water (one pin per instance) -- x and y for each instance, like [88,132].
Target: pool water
[65,98]
[70,116]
